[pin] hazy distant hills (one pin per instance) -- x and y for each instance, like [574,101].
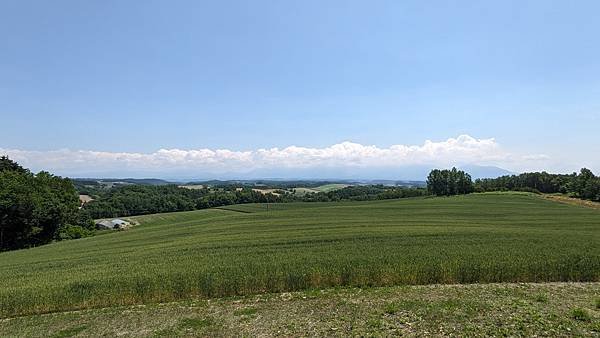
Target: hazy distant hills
[485,171]
[406,173]
[384,175]
[121,181]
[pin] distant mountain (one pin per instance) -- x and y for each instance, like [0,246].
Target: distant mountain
[405,173]
[385,175]
[477,171]
[308,182]
[395,174]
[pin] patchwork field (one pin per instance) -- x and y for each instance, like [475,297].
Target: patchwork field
[253,249]
[330,187]
[267,191]
[321,188]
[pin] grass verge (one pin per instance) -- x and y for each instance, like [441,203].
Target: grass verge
[567,309]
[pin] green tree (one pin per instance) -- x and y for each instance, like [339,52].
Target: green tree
[584,184]
[17,207]
[10,165]
[34,208]
[449,182]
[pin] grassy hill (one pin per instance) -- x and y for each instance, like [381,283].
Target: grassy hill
[250,249]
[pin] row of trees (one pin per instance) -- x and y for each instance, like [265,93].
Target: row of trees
[449,182]
[37,208]
[584,185]
[143,199]
[364,193]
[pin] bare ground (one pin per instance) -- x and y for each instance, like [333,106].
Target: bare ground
[551,309]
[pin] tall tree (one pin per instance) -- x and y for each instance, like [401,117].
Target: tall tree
[33,208]
[449,182]
[8,164]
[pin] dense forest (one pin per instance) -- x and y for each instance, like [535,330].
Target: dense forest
[364,193]
[37,208]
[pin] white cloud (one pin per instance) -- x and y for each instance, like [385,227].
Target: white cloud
[463,149]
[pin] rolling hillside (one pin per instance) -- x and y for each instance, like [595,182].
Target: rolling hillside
[250,249]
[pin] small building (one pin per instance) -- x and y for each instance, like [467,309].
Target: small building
[119,224]
[104,225]
[112,224]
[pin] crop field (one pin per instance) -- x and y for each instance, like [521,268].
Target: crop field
[330,187]
[304,191]
[253,249]
[321,188]
[267,191]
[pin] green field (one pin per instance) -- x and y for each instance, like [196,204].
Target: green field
[251,249]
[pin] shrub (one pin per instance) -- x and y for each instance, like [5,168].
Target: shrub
[580,314]
[74,232]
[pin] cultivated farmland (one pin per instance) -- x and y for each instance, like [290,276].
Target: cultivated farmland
[251,249]
[330,187]
[321,188]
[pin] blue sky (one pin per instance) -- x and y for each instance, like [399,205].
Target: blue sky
[135,77]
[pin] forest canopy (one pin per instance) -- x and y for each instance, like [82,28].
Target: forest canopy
[37,208]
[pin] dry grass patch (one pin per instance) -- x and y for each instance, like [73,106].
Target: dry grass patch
[573,201]
[435,310]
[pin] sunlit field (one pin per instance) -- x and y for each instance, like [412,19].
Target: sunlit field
[250,249]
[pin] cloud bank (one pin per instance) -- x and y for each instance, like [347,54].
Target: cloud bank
[207,163]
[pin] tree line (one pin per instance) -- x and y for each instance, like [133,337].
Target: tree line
[363,193]
[134,200]
[584,185]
